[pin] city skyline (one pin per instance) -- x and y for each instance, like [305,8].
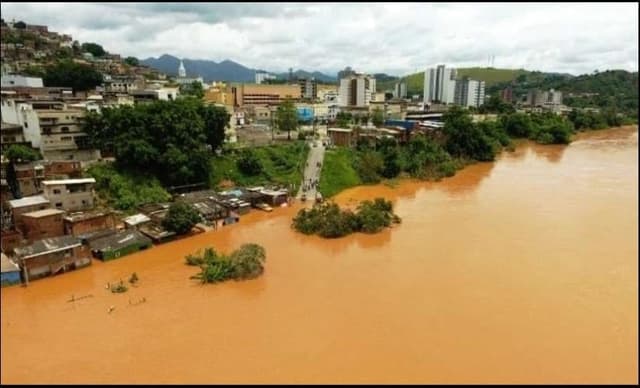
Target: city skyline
[396,39]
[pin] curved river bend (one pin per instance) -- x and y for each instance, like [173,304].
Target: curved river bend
[520,271]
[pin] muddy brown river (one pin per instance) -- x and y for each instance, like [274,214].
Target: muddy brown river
[520,271]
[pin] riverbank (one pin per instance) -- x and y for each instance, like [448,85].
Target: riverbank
[522,271]
[341,175]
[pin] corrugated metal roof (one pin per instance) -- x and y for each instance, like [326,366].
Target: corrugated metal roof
[7,265]
[136,219]
[28,201]
[43,213]
[47,245]
[69,181]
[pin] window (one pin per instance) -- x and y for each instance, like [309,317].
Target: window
[56,191]
[59,204]
[65,138]
[64,129]
[26,125]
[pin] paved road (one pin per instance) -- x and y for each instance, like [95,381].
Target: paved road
[312,171]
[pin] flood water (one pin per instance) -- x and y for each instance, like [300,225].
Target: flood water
[520,271]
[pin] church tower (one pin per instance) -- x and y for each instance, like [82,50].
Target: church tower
[182,73]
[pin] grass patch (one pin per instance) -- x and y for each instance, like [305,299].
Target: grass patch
[281,164]
[125,191]
[338,172]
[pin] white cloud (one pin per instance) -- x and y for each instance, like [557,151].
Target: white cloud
[396,38]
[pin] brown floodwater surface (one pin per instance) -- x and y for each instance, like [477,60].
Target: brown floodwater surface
[520,271]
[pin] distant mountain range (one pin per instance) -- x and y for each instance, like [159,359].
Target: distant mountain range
[226,70]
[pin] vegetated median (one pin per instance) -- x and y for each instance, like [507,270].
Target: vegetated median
[247,262]
[329,221]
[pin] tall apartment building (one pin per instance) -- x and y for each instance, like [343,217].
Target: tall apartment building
[308,88]
[400,90]
[507,94]
[536,97]
[469,92]
[357,90]
[439,85]
[262,76]
[52,127]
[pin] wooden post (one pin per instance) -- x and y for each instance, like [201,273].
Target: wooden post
[26,273]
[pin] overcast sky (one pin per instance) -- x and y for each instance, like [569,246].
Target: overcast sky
[394,38]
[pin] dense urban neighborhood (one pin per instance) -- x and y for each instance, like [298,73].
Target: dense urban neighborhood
[103,156]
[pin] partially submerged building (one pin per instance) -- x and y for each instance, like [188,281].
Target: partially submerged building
[51,256]
[10,271]
[119,244]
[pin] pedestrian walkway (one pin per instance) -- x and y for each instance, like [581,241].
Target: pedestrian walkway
[311,177]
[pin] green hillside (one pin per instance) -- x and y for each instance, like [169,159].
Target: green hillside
[415,82]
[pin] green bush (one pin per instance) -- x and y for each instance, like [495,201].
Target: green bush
[181,218]
[247,262]
[126,191]
[329,221]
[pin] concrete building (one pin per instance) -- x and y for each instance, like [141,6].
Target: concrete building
[308,88]
[80,223]
[400,90]
[41,224]
[10,271]
[120,244]
[469,93]
[439,85]
[254,94]
[12,134]
[262,76]
[507,94]
[10,80]
[70,194]
[357,90]
[536,98]
[341,136]
[50,126]
[51,256]
[123,84]
[17,207]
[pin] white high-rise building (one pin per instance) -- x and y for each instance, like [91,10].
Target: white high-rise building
[439,85]
[357,90]
[262,76]
[469,92]
[400,90]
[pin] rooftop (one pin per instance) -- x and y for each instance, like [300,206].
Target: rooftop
[7,265]
[69,181]
[136,219]
[82,216]
[48,245]
[119,240]
[347,130]
[28,201]
[43,213]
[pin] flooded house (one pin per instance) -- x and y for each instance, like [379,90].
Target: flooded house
[120,244]
[41,224]
[17,207]
[10,271]
[52,256]
[78,223]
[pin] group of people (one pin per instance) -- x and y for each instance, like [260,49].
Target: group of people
[312,184]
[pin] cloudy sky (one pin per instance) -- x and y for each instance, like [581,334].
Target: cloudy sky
[394,38]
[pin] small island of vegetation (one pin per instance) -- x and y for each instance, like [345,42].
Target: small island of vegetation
[247,262]
[329,221]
